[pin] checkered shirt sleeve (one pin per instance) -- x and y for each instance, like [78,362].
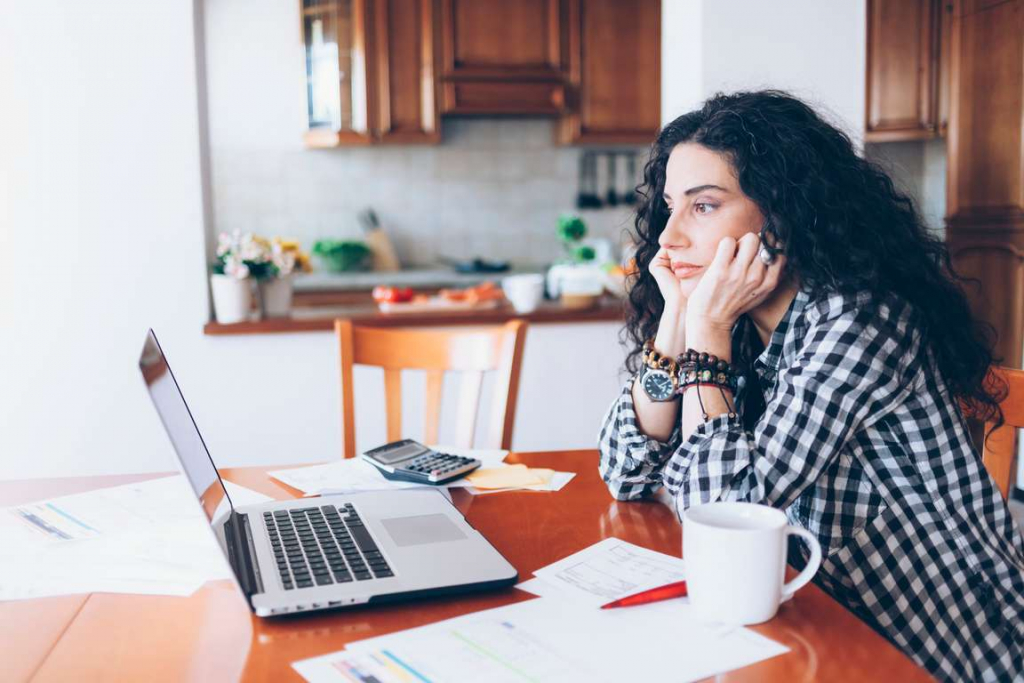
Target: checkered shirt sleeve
[847,373]
[631,461]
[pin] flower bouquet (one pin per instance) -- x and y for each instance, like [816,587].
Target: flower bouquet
[286,258]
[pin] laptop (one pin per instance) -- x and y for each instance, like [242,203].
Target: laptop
[329,552]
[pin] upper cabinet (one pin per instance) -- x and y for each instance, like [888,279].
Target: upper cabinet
[614,56]
[907,69]
[383,71]
[502,57]
[404,57]
[337,97]
[370,72]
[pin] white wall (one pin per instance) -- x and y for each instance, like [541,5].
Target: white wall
[812,48]
[102,208]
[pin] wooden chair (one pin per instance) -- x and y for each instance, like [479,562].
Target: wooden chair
[1000,449]
[470,352]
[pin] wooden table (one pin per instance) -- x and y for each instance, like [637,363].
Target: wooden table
[212,636]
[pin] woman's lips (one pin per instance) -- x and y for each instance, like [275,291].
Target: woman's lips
[685,270]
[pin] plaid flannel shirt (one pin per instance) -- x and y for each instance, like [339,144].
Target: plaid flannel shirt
[861,444]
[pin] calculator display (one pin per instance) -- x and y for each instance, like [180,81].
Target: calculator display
[401,453]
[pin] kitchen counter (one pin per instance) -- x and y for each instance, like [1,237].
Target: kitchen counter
[435,278]
[317,314]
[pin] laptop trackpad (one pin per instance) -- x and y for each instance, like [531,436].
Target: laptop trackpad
[421,529]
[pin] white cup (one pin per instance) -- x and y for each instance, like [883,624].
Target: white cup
[735,557]
[524,291]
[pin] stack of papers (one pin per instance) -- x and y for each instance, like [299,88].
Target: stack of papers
[354,475]
[150,537]
[516,478]
[563,636]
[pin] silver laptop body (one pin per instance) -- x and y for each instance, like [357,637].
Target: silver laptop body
[328,552]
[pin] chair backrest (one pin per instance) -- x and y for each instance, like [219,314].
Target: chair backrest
[470,351]
[1000,448]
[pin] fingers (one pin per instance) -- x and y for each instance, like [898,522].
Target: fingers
[724,255]
[746,252]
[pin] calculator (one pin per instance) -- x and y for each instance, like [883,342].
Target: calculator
[409,460]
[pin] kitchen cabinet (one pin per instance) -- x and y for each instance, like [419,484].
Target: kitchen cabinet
[501,57]
[614,59]
[907,69]
[370,72]
[985,166]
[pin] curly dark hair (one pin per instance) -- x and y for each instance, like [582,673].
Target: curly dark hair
[838,219]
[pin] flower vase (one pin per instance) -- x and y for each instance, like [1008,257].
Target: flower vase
[232,299]
[276,297]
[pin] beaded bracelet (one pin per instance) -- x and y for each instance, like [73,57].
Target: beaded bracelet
[697,369]
[703,368]
[656,361]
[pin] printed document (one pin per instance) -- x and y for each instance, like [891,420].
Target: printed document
[545,640]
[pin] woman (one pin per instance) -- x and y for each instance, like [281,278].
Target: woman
[803,343]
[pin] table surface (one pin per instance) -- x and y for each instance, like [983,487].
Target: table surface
[212,635]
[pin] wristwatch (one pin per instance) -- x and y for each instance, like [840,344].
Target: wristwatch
[659,385]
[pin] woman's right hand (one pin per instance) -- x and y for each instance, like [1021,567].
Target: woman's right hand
[668,283]
[670,337]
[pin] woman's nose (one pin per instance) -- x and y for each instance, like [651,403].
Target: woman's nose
[674,234]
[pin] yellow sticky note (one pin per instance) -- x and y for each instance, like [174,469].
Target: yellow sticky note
[506,477]
[544,474]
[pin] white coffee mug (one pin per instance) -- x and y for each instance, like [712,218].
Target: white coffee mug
[735,557]
[525,292]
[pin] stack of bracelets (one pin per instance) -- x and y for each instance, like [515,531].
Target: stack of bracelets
[696,369]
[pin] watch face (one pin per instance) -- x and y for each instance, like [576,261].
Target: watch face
[658,385]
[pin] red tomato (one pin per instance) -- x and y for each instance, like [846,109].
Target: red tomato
[392,295]
[403,294]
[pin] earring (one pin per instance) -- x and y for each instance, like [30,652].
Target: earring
[765,253]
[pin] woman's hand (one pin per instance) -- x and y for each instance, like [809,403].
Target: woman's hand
[736,281]
[670,338]
[668,283]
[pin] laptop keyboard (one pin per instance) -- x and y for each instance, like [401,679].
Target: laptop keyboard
[323,545]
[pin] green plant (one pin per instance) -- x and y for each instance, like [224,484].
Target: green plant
[583,254]
[571,230]
[343,255]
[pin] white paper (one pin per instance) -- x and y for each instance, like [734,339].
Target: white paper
[609,570]
[352,475]
[546,640]
[152,538]
[341,476]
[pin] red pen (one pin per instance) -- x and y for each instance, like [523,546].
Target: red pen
[666,592]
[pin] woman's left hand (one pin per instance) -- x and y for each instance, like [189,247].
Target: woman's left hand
[736,281]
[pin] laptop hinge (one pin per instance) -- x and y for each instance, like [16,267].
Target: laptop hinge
[242,553]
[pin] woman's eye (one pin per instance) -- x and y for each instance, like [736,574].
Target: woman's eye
[703,207]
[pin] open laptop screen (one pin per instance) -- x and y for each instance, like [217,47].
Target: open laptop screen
[181,427]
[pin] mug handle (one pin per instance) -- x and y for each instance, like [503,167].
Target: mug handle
[807,574]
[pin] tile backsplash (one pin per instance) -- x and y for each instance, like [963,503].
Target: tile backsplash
[494,188]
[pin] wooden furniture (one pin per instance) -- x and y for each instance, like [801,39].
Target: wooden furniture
[907,69]
[383,71]
[470,352]
[501,57]
[614,62]
[370,69]
[1000,449]
[213,636]
[319,315]
[404,58]
[985,167]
